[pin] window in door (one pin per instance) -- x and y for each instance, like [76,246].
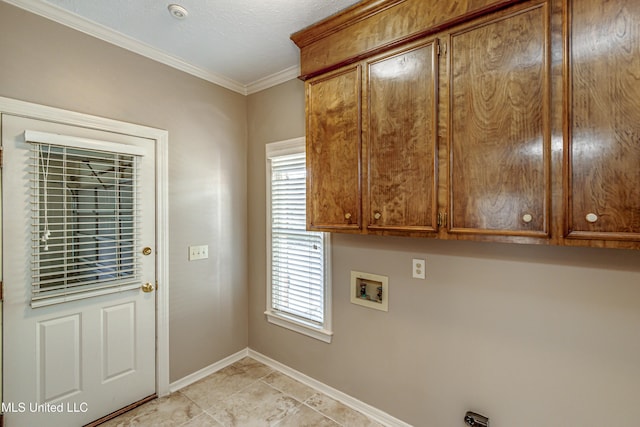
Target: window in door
[84,219]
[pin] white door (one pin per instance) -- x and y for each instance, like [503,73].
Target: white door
[79,326]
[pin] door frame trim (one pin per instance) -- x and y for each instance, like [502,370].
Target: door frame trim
[161,137]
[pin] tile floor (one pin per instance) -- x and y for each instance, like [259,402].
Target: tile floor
[246,393]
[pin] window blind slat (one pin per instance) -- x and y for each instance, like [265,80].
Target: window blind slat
[288,280]
[289,265]
[96,269]
[102,283]
[122,286]
[299,295]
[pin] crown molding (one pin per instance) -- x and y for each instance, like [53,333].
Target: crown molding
[108,35]
[274,79]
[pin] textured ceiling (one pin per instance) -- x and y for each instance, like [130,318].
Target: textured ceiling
[243,41]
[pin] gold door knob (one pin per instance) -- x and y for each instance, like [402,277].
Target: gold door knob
[347,215]
[146,251]
[147,287]
[377,215]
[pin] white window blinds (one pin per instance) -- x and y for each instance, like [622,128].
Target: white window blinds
[297,255]
[85,219]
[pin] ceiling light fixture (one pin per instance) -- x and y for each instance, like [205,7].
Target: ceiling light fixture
[178,11]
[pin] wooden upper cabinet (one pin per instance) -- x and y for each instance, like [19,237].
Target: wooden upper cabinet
[499,134]
[334,151]
[436,118]
[602,150]
[400,138]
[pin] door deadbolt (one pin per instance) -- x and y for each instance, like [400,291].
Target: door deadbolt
[146,251]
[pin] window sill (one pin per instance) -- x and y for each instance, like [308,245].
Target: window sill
[297,326]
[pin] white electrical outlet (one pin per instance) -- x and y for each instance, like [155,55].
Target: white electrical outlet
[198,252]
[419,267]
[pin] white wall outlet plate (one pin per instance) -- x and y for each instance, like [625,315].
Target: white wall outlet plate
[198,252]
[419,266]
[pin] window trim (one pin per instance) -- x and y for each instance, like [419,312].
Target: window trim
[322,332]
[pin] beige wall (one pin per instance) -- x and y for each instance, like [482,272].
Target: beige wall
[531,336]
[47,63]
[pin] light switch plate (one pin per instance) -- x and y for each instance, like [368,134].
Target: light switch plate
[419,266]
[198,252]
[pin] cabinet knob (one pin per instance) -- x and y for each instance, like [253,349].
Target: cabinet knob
[527,218]
[591,217]
[377,215]
[347,216]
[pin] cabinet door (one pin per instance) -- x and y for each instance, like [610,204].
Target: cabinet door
[401,139]
[603,136]
[499,137]
[333,151]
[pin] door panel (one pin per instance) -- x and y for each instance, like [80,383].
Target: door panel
[84,358]
[118,341]
[58,352]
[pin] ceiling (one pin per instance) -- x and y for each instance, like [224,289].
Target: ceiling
[242,45]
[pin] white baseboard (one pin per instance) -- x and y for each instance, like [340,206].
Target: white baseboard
[368,410]
[206,371]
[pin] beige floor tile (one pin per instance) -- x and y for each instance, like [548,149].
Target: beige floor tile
[307,417]
[251,368]
[202,420]
[257,405]
[219,385]
[289,386]
[340,413]
[169,411]
[125,419]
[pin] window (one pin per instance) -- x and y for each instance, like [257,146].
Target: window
[298,285]
[85,216]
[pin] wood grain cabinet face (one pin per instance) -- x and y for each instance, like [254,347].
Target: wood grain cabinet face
[499,136]
[333,151]
[602,151]
[401,138]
